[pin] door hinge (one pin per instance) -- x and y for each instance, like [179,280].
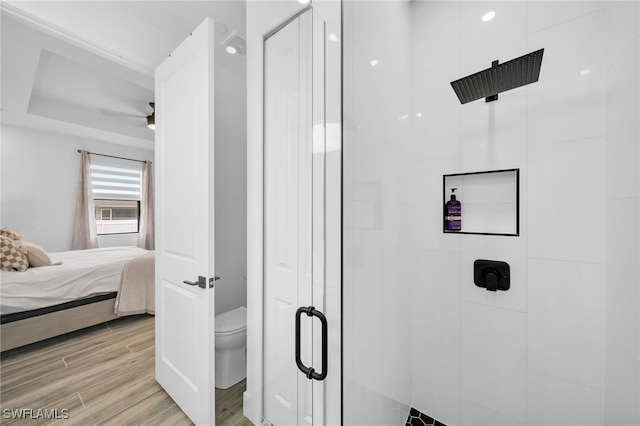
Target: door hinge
[212,280]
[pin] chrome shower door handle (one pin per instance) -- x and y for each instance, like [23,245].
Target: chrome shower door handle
[309,371]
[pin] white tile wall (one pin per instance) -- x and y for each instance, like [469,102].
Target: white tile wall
[494,134]
[622,332]
[553,401]
[493,357]
[368,407]
[436,335]
[377,338]
[568,101]
[484,42]
[565,320]
[565,199]
[435,33]
[506,249]
[396,331]
[622,313]
[544,14]
[535,354]
[424,181]
[474,414]
[369,337]
[439,113]
[623,125]
[622,27]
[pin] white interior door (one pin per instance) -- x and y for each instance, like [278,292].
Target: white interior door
[185,329]
[293,221]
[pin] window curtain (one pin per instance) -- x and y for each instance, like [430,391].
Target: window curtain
[146,233]
[84,224]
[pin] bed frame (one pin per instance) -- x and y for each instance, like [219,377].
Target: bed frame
[23,328]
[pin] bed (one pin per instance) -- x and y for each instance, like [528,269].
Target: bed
[89,287]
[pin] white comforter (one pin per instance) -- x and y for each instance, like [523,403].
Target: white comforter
[83,273]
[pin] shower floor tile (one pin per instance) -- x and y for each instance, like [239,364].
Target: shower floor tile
[416,418]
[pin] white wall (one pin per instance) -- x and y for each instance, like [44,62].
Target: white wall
[39,174]
[230,186]
[562,345]
[622,233]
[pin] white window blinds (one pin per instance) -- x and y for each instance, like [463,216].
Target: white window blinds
[115,180]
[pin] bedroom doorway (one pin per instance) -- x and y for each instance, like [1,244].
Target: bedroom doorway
[185,218]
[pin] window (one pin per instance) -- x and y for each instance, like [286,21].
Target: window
[116,194]
[117,216]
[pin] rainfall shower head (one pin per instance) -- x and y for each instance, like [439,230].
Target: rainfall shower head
[499,78]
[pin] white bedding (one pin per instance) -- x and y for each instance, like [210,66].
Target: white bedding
[83,273]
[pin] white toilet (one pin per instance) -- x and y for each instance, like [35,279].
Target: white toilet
[231,347]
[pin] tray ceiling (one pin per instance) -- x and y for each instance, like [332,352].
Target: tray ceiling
[86,67]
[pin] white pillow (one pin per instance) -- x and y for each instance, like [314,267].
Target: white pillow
[36,254]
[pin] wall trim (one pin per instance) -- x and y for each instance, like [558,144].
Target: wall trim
[75,39]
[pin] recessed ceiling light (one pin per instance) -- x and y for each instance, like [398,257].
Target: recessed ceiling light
[333,37]
[303,1]
[235,44]
[585,71]
[488,16]
[374,63]
[419,115]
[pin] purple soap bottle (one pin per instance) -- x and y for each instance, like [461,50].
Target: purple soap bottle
[453,213]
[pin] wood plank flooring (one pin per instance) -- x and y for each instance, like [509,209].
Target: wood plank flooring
[102,375]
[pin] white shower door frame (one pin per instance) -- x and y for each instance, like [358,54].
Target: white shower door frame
[290,210]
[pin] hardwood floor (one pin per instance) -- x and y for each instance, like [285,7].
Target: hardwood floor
[103,375]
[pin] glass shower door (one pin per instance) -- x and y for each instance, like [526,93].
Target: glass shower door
[376,283]
[420,338]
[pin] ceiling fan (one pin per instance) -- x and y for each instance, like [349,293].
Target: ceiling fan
[133,117]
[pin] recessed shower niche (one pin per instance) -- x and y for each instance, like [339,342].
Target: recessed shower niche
[486,203]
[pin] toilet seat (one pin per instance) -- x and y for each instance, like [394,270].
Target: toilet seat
[231,347]
[231,322]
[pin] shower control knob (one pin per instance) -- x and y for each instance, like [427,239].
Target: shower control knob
[492,275]
[491,280]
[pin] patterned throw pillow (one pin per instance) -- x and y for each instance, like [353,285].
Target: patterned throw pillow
[8,232]
[12,257]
